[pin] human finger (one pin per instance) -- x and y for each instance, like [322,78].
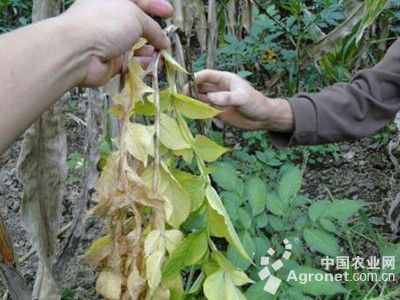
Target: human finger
[153,32]
[207,88]
[224,99]
[219,78]
[146,50]
[144,61]
[160,8]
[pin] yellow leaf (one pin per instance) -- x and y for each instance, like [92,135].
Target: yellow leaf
[173,237]
[220,224]
[123,101]
[171,135]
[152,242]
[156,239]
[207,149]
[109,285]
[153,270]
[134,84]
[170,60]
[161,294]
[139,44]
[117,111]
[177,200]
[175,286]
[139,141]
[220,286]
[238,276]
[194,109]
[99,250]
[187,155]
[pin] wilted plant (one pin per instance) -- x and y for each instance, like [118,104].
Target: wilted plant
[146,199]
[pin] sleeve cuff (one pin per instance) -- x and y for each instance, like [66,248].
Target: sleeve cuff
[305,124]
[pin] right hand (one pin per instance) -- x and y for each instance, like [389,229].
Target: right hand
[242,105]
[109,28]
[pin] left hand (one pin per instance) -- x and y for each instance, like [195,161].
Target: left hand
[107,29]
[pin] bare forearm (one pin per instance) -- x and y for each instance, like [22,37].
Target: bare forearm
[39,63]
[278,116]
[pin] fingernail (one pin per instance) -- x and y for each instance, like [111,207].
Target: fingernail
[166,5]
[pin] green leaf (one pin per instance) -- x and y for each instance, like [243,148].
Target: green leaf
[187,253]
[207,149]
[262,245]
[392,250]
[234,256]
[290,184]
[232,197]
[244,218]
[194,109]
[232,211]
[372,9]
[257,195]
[277,223]
[262,220]
[315,288]
[197,285]
[171,135]
[328,225]
[220,286]
[275,204]
[256,292]
[318,210]
[220,224]
[147,107]
[342,210]
[194,185]
[225,176]
[321,241]
[245,74]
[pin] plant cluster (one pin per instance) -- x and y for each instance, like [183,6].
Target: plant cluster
[162,220]
[265,215]
[14,13]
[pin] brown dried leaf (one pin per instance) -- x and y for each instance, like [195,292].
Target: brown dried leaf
[99,250]
[135,284]
[109,284]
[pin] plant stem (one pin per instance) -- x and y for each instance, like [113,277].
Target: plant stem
[156,61]
[190,279]
[298,45]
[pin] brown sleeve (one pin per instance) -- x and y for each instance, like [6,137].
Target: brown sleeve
[347,111]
